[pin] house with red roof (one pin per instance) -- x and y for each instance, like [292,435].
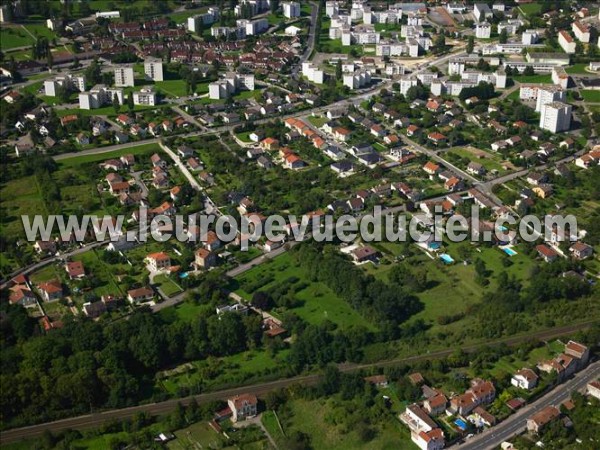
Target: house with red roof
[158,261]
[243,406]
[75,270]
[51,290]
[547,253]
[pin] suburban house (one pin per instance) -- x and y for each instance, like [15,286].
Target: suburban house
[581,250]
[75,270]
[140,295]
[475,168]
[593,389]
[578,351]
[94,309]
[341,134]
[363,254]
[158,261]
[435,405]
[293,161]
[424,432]
[377,380]
[243,406]
[205,259]
[51,290]
[437,138]
[542,418]
[157,161]
[431,168]
[524,379]
[212,241]
[20,294]
[269,144]
[44,246]
[547,253]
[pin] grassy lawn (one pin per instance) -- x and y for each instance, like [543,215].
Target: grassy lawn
[531,9]
[577,69]
[40,30]
[590,96]
[245,95]
[489,161]
[45,274]
[14,36]
[184,311]
[19,197]
[134,148]
[313,417]
[101,271]
[167,286]
[318,121]
[199,435]
[104,111]
[540,78]
[319,302]
[244,137]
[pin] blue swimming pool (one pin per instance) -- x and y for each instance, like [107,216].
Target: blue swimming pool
[184,275]
[509,251]
[461,424]
[446,259]
[434,245]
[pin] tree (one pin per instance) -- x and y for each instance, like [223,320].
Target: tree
[470,44]
[503,39]
[415,92]
[338,70]
[50,59]
[130,104]
[116,104]
[529,71]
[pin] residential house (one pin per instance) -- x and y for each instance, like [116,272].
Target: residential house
[75,270]
[140,295]
[593,389]
[242,407]
[377,380]
[524,379]
[543,190]
[364,254]
[269,144]
[580,250]
[158,261]
[411,130]
[578,351]
[293,161]
[205,259]
[93,309]
[475,168]
[437,138]
[431,168]
[51,290]
[341,134]
[547,253]
[435,405]
[539,420]
[44,247]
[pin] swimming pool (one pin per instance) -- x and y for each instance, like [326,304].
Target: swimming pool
[447,259]
[184,275]
[509,251]
[461,424]
[434,245]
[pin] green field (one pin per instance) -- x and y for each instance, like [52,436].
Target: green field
[19,197]
[40,30]
[167,286]
[540,78]
[531,9]
[577,69]
[490,162]
[104,111]
[199,435]
[318,121]
[590,96]
[107,285]
[134,148]
[320,303]
[315,418]
[14,36]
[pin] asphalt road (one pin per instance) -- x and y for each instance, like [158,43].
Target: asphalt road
[95,420]
[517,423]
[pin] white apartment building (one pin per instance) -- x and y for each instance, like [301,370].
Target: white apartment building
[99,96]
[511,26]
[566,42]
[406,83]
[145,97]
[581,31]
[124,76]
[481,12]
[530,37]
[547,94]
[391,49]
[153,68]
[556,117]
[357,79]
[197,22]
[291,9]
[71,82]
[560,77]
[483,30]
[253,27]
[232,83]
[313,73]
[332,8]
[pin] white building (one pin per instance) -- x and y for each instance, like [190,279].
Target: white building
[196,23]
[153,68]
[99,96]
[566,42]
[53,24]
[357,79]
[253,27]
[560,77]
[291,9]
[108,14]
[581,31]
[332,8]
[145,97]
[70,82]
[556,117]
[483,30]
[524,379]
[124,76]
[511,26]
[547,94]
[229,85]
[481,12]
[406,83]
[313,73]
[530,37]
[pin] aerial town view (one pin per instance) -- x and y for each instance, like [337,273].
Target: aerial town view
[304,224]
